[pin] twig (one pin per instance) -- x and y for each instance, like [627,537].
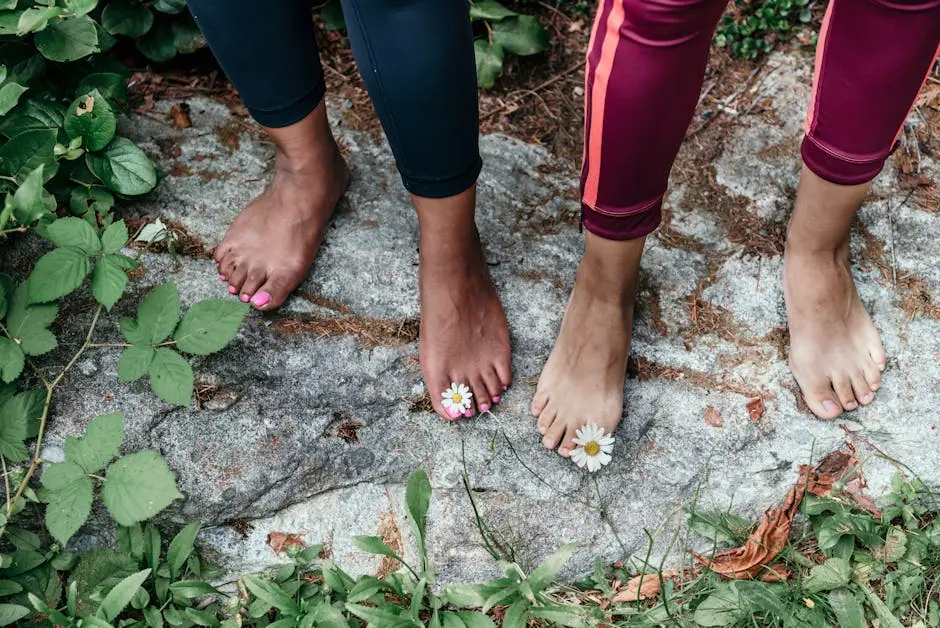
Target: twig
[537,88]
[894,265]
[6,480]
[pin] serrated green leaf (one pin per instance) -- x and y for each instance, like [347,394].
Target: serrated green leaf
[158,314]
[489,62]
[96,199]
[126,18]
[181,547]
[28,204]
[521,35]
[27,151]
[12,360]
[209,325]
[12,613]
[120,596]
[58,273]
[138,486]
[845,607]
[108,281]
[134,362]
[15,415]
[10,96]
[489,10]
[90,117]
[171,377]
[833,574]
[123,167]
[68,40]
[115,237]
[74,232]
[544,574]
[100,443]
[70,494]
[272,594]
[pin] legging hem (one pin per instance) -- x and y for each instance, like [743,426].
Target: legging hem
[833,169]
[292,113]
[628,227]
[443,188]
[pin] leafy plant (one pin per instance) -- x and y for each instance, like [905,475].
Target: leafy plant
[752,27]
[506,32]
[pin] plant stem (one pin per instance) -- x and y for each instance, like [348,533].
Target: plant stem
[6,480]
[14,230]
[50,387]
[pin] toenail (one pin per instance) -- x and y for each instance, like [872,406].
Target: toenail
[541,430]
[867,398]
[496,399]
[243,298]
[505,388]
[830,406]
[232,290]
[563,451]
[260,299]
[484,407]
[468,413]
[546,443]
[453,414]
[221,277]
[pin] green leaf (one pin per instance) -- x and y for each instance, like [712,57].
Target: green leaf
[153,617]
[27,151]
[845,607]
[418,500]
[187,38]
[32,115]
[171,377]
[489,10]
[271,594]
[126,18]
[111,85]
[515,616]
[80,7]
[158,313]
[833,574]
[15,414]
[58,273]
[170,6]
[381,617]
[95,622]
[721,608]
[120,596]
[489,62]
[28,324]
[90,117]
[115,237]
[521,35]
[28,204]
[375,545]
[134,363]
[758,597]
[159,44]
[99,445]
[34,19]
[192,588]
[12,360]
[545,573]
[70,496]
[123,167]
[209,325]
[332,15]
[9,587]
[887,619]
[138,486]
[74,232]
[12,613]
[10,96]
[475,620]
[181,547]
[108,281]
[68,40]
[98,200]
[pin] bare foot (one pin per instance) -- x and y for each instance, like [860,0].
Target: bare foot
[835,350]
[464,335]
[582,382]
[268,251]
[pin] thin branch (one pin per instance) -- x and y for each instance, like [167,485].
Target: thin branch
[535,89]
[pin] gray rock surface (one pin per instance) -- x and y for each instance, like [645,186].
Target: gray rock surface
[312,433]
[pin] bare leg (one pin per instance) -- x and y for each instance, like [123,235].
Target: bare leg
[835,351]
[464,336]
[582,382]
[268,251]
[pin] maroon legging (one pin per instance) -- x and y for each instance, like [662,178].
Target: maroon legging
[646,64]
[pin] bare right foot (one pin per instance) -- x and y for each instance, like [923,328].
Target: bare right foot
[582,382]
[268,251]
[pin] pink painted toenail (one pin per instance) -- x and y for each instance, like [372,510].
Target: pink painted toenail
[505,388]
[496,399]
[243,298]
[830,406]
[484,407]
[221,277]
[453,414]
[260,299]
[232,290]
[468,413]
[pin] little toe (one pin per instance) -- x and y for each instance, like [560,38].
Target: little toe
[504,372]
[843,387]
[227,267]
[568,445]
[546,418]
[554,434]
[872,375]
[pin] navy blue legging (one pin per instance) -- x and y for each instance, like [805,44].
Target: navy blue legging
[415,57]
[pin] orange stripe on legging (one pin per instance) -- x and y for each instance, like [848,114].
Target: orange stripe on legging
[590,50]
[936,54]
[602,72]
[820,52]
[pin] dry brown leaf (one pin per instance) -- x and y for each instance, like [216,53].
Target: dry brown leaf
[180,117]
[755,408]
[853,489]
[833,467]
[713,417]
[643,587]
[766,543]
[927,96]
[282,541]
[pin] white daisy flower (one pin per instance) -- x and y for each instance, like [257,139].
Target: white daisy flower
[457,398]
[593,449]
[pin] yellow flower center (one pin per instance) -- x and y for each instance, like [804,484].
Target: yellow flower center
[457,398]
[593,448]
